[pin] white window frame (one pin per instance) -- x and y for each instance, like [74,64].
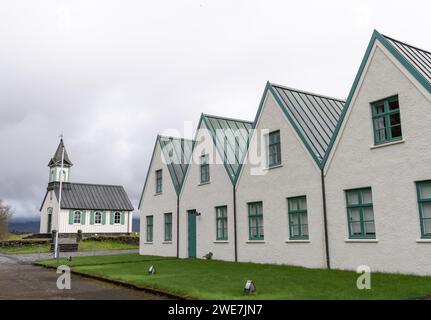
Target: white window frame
[95,217]
[115,217]
[75,213]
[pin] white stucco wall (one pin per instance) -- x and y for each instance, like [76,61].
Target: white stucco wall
[157,205]
[297,176]
[390,171]
[204,198]
[65,227]
[51,201]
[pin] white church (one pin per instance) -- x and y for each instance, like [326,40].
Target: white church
[91,208]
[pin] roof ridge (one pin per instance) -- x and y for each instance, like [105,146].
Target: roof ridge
[406,44]
[307,92]
[92,184]
[225,118]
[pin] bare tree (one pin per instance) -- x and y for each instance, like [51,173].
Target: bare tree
[5,215]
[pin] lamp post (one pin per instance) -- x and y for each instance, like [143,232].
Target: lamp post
[56,247]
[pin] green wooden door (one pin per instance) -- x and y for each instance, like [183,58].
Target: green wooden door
[192,232]
[49,223]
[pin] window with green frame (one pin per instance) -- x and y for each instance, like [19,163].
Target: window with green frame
[255,221]
[298,220]
[205,169]
[159,181]
[386,120]
[274,148]
[360,213]
[168,226]
[221,222]
[149,228]
[424,201]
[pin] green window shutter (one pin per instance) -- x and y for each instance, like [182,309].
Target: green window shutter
[122,217]
[103,217]
[71,216]
[83,217]
[111,217]
[91,217]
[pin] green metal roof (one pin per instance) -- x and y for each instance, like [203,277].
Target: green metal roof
[420,59]
[176,153]
[231,138]
[315,117]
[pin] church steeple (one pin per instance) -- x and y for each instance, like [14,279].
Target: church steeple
[55,164]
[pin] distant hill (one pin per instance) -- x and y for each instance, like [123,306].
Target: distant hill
[27,226]
[32,226]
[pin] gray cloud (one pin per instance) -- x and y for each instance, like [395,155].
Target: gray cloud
[113,74]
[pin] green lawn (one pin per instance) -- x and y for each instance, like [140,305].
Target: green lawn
[83,246]
[212,279]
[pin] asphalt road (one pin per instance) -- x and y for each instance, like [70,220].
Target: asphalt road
[19,279]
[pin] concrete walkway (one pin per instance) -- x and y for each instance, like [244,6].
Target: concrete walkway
[19,279]
[33,257]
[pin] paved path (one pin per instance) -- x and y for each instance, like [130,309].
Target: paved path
[21,280]
[32,257]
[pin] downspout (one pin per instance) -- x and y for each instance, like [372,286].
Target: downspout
[178,226]
[234,223]
[325,219]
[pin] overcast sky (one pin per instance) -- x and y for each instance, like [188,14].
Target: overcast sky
[111,75]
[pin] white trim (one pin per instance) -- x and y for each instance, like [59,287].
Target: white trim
[255,241]
[167,242]
[361,240]
[148,242]
[274,167]
[387,144]
[297,241]
[221,241]
[204,183]
[423,240]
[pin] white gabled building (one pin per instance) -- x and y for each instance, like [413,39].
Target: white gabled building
[280,203]
[208,195]
[325,182]
[378,175]
[91,208]
[159,203]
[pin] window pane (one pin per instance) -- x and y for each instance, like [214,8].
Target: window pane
[425,190]
[396,131]
[427,226]
[394,105]
[368,214]
[295,231]
[426,210]
[355,228]
[352,197]
[303,203]
[293,204]
[355,214]
[369,228]
[261,226]
[395,119]
[304,218]
[304,229]
[367,197]
[379,108]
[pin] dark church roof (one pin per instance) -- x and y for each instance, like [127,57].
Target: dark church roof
[56,160]
[91,196]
